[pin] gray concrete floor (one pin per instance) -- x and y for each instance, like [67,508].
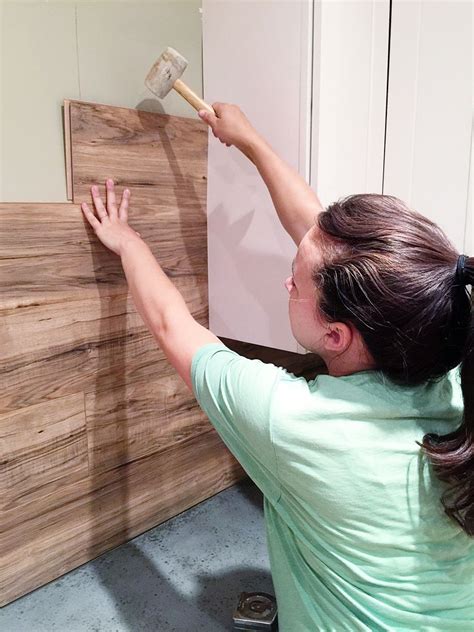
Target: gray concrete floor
[183,576]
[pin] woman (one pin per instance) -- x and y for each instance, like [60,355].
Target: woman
[367,472]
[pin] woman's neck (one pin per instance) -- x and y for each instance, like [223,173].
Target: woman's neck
[355,359]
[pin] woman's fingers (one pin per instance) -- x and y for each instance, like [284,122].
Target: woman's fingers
[99,206]
[111,201]
[123,210]
[92,219]
[111,212]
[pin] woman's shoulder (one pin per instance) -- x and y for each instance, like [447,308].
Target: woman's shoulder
[372,394]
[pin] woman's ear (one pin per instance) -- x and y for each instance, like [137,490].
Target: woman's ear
[338,337]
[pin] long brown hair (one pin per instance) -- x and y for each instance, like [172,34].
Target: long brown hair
[396,277]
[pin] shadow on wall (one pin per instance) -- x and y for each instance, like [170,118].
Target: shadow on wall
[191,206]
[144,593]
[243,273]
[151,105]
[111,358]
[222,224]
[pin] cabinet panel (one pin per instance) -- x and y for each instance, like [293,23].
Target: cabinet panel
[286,88]
[255,55]
[469,236]
[430,111]
[349,95]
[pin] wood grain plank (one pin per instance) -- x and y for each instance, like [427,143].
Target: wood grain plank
[161,158]
[71,259]
[59,345]
[42,445]
[22,227]
[68,326]
[56,349]
[98,513]
[140,418]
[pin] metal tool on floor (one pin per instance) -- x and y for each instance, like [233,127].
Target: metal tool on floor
[255,611]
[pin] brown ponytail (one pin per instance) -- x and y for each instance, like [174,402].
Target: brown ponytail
[396,277]
[452,455]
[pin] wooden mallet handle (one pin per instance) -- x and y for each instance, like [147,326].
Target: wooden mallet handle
[191,97]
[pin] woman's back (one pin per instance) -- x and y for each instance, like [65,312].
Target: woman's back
[357,535]
[361,530]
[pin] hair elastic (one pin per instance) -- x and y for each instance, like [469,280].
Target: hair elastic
[461,270]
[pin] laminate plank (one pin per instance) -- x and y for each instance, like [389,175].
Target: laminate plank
[82,520]
[161,158]
[40,445]
[22,227]
[49,251]
[53,350]
[69,329]
[140,418]
[93,343]
[33,281]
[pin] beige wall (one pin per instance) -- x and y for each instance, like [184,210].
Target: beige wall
[94,51]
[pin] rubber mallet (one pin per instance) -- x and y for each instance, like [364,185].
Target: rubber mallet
[165,74]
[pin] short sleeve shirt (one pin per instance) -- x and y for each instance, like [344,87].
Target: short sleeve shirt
[357,536]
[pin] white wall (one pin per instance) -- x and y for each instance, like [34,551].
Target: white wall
[93,51]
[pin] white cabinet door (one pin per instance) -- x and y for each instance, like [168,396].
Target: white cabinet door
[260,55]
[349,97]
[257,55]
[429,120]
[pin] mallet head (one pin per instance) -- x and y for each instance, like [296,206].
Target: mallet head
[169,67]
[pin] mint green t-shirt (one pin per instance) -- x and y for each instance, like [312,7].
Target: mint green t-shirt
[357,536]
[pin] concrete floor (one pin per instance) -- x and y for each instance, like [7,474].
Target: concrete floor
[183,576]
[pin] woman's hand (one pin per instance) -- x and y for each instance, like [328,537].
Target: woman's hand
[230,126]
[111,228]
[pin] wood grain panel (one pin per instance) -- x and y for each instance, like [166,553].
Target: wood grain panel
[161,158]
[98,513]
[82,481]
[42,445]
[30,377]
[140,418]
[63,326]
[71,260]
[54,349]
